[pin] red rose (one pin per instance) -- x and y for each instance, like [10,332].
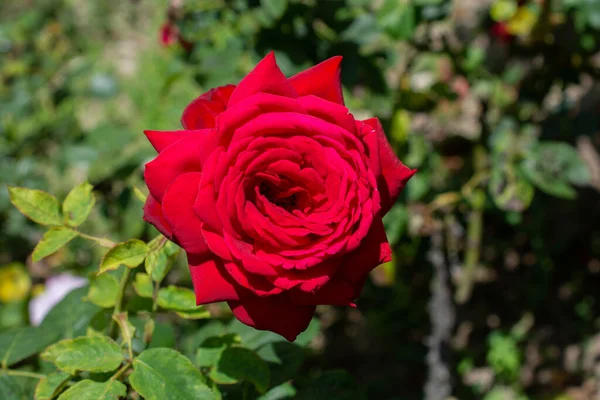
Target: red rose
[276,193]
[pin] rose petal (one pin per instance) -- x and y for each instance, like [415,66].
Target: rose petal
[163,139]
[322,80]
[153,214]
[394,174]
[201,112]
[274,313]
[186,155]
[338,292]
[266,77]
[178,209]
[374,251]
[211,282]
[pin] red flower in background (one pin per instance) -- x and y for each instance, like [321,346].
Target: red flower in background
[168,34]
[276,192]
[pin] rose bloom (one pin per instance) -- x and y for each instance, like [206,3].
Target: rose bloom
[276,192]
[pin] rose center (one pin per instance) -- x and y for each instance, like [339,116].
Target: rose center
[285,199]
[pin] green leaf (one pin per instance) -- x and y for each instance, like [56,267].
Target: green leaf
[9,388]
[90,390]
[130,253]
[239,364]
[338,385]
[71,316]
[52,241]
[252,338]
[143,285]
[395,223]
[177,298]
[275,8]
[509,190]
[400,126]
[398,19]
[104,290]
[21,343]
[281,392]
[78,204]
[86,353]
[165,374]
[200,313]
[552,166]
[284,359]
[306,337]
[37,205]
[210,350]
[159,259]
[48,387]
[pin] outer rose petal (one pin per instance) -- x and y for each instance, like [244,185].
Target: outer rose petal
[394,174]
[322,80]
[178,209]
[274,313]
[338,292]
[163,139]
[266,77]
[153,214]
[211,282]
[374,251]
[201,112]
[186,155]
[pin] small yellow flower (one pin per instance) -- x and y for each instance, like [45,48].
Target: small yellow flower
[14,283]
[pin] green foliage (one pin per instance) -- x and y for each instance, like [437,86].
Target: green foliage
[130,253]
[104,290]
[165,374]
[504,356]
[39,206]
[78,204]
[90,390]
[48,387]
[236,364]
[88,353]
[491,102]
[54,239]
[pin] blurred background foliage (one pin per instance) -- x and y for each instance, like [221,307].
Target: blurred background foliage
[496,102]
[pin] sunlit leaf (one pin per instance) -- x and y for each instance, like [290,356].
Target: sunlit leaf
[237,364]
[48,387]
[37,205]
[91,390]
[52,241]
[130,253]
[104,290]
[78,204]
[143,285]
[86,353]
[165,374]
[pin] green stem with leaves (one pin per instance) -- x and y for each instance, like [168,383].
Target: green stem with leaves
[119,300]
[101,241]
